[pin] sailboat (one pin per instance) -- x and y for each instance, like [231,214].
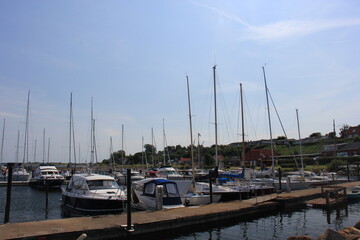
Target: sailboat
[20,173]
[192,197]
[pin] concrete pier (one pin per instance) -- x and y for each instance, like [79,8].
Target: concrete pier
[146,222]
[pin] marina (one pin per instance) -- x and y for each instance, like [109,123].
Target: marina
[154,222]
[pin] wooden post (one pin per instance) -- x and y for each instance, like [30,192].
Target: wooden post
[128,174]
[327,196]
[8,193]
[280,175]
[210,185]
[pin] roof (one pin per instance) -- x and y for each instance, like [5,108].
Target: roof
[91,176]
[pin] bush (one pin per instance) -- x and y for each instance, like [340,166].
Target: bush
[334,164]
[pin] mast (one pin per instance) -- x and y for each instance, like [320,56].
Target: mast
[26,140]
[122,144]
[142,151]
[70,130]
[269,118]
[164,145]
[216,138]
[152,147]
[48,156]
[2,143]
[191,135]
[35,151]
[301,155]
[242,127]
[198,153]
[44,146]
[17,147]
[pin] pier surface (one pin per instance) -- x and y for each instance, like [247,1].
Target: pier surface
[145,222]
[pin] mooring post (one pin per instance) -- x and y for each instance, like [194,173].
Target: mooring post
[46,197]
[128,227]
[357,168]
[8,192]
[210,185]
[280,175]
[128,185]
[348,172]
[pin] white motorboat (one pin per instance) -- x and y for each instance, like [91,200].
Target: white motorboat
[135,176]
[46,176]
[169,173]
[20,175]
[196,199]
[144,194]
[93,194]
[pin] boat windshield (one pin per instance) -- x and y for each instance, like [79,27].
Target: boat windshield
[102,184]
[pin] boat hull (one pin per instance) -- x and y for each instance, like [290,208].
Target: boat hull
[49,183]
[92,205]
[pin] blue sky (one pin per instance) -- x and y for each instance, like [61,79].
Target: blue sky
[132,58]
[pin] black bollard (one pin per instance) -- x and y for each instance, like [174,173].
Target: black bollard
[348,172]
[210,185]
[280,175]
[8,193]
[357,168]
[46,198]
[128,179]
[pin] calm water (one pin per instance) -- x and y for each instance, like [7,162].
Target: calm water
[30,205]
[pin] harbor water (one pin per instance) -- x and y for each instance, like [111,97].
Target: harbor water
[29,204]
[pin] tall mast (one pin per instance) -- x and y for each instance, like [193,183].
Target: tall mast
[70,130]
[92,134]
[301,155]
[142,152]
[164,145]
[152,147]
[44,146]
[122,144]
[17,147]
[191,135]
[26,140]
[48,156]
[2,143]
[35,151]
[242,127]
[271,141]
[216,138]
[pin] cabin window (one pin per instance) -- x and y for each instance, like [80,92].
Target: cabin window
[102,184]
[150,188]
[170,190]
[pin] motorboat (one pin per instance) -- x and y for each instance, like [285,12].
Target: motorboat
[93,194]
[144,196]
[20,175]
[169,172]
[135,176]
[46,176]
[353,193]
[196,199]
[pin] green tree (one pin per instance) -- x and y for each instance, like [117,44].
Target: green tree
[315,135]
[343,130]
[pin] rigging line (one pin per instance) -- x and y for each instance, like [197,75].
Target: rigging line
[282,126]
[249,115]
[225,115]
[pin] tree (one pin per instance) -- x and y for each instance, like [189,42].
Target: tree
[343,130]
[315,135]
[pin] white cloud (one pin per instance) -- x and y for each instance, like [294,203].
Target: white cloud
[283,29]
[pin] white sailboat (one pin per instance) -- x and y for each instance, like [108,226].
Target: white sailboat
[20,173]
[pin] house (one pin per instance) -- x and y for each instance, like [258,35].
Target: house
[342,150]
[259,157]
[353,132]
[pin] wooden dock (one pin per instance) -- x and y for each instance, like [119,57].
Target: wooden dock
[148,222]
